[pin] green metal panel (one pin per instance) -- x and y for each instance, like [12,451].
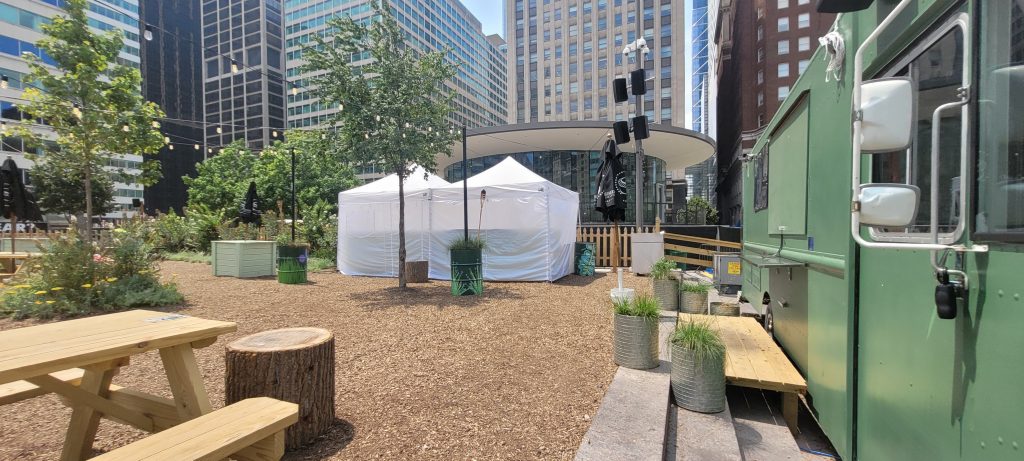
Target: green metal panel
[787,200]
[239,258]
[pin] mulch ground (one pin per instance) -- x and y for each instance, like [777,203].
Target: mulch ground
[517,373]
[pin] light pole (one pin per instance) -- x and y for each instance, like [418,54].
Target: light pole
[291,151]
[639,88]
[465,187]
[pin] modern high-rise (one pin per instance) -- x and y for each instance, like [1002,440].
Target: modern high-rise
[243,72]
[564,54]
[430,25]
[172,77]
[700,104]
[21,22]
[762,48]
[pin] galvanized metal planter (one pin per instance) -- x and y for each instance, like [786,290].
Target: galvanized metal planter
[698,385]
[693,303]
[636,342]
[726,309]
[665,290]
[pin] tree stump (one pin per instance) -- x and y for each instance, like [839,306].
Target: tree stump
[417,271]
[291,364]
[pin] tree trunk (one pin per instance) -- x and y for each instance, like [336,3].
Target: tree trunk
[401,229]
[291,364]
[88,203]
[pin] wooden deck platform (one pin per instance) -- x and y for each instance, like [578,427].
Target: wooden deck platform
[752,359]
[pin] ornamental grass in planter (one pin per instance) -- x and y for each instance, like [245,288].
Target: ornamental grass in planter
[663,285]
[698,367]
[636,332]
[467,266]
[693,298]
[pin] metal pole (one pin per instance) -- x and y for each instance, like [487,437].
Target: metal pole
[465,187]
[639,111]
[292,150]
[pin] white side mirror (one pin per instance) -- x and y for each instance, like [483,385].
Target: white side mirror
[888,108]
[888,205]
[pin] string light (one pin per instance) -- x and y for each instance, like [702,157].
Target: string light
[378,117]
[170,147]
[367,135]
[407,124]
[167,139]
[273,133]
[148,33]
[295,91]
[4,82]
[125,128]
[76,110]
[234,67]
[196,146]
[210,150]
[219,129]
[156,124]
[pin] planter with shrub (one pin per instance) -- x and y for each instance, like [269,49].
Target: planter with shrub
[663,285]
[467,266]
[291,262]
[698,367]
[693,298]
[635,332]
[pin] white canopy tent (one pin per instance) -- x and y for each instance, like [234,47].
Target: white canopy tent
[368,224]
[528,224]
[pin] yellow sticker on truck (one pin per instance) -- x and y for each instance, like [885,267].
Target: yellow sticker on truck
[734,268]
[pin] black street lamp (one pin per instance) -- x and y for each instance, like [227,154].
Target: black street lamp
[291,151]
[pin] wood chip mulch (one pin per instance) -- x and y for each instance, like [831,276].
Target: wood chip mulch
[517,373]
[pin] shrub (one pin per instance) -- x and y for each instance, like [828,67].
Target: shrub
[463,243]
[662,269]
[203,224]
[698,336]
[643,305]
[171,232]
[319,228]
[230,230]
[702,288]
[73,277]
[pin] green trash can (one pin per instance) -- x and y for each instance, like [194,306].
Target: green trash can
[291,263]
[584,260]
[467,272]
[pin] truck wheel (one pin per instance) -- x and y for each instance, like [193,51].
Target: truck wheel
[769,321]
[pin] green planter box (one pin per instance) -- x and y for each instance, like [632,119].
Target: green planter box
[467,272]
[291,263]
[243,258]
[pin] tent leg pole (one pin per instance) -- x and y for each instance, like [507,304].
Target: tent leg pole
[14,230]
[615,244]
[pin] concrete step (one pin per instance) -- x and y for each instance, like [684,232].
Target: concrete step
[760,429]
[630,424]
[701,437]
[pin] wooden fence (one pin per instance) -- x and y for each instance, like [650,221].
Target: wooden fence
[686,249]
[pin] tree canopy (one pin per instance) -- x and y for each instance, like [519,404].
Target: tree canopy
[93,105]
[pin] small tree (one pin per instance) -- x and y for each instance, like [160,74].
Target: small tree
[393,111]
[59,190]
[222,180]
[320,172]
[698,211]
[94,106]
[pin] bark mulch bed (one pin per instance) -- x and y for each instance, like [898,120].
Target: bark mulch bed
[514,374]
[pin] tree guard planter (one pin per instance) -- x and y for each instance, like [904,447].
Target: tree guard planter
[467,272]
[693,303]
[291,364]
[636,342]
[584,259]
[242,258]
[697,385]
[665,290]
[291,263]
[417,271]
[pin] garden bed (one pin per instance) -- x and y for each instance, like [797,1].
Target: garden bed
[516,373]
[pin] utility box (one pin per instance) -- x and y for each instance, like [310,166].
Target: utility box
[243,258]
[728,273]
[646,248]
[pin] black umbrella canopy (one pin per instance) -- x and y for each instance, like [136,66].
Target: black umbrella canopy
[250,213]
[611,198]
[16,201]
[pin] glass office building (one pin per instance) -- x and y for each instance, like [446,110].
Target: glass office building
[479,85]
[698,82]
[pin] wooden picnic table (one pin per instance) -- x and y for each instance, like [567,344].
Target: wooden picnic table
[77,359]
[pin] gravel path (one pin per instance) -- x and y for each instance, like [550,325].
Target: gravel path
[514,374]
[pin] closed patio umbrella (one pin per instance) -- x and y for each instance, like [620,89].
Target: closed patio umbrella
[611,198]
[250,213]
[15,200]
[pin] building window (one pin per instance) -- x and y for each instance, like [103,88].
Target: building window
[666,51]
[760,54]
[803,44]
[760,98]
[760,120]
[783,93]
[783,70]
[783,24]
[760,77]
[802,2]
[783,4]
[803,21]
[802,65]
[783,47]
[760,32]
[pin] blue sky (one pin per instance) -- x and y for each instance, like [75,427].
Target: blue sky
[489,12]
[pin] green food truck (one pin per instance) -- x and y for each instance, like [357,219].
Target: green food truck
[884,229]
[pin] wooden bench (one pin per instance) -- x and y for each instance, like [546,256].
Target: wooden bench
[21,390]
[252,429]
[752,359]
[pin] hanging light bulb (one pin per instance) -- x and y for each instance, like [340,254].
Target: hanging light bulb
[273,133]
[3,127]
[407,125]
[430,129]
[196,146]
[219,130]
[341,106]
[167,140]
[210,150]
[170,147]
[156,124]
[367,135]
[148,33]
[403,135]
[295,91]
[76,110]
[4,82]
[125,128]
[451,130]
[378,117]
[234,67]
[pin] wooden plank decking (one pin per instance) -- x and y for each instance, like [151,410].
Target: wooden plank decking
[753,360]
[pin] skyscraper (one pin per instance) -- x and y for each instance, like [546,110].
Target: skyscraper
[22,22]
[698,117]
[243,72]
[762,48]
[172,77]
[430,25]
[564,54]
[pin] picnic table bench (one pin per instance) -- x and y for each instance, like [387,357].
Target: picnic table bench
[77,359]
[752,359]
